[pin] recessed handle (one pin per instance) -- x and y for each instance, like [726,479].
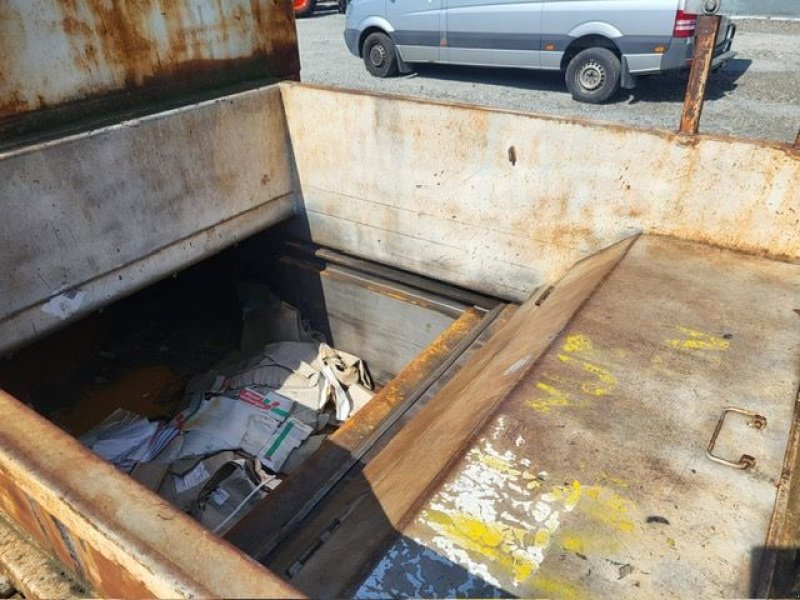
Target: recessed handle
[746,461]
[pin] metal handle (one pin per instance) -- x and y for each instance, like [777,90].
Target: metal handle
[746,461]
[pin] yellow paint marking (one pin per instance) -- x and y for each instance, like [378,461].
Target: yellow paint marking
[498,464]
[553,587]
[574,495]
[590,376]
[503,545]
[576,344]
[552,397]
[572,543]
[605,384]
[578,539]
[570,495]
[608,508]
[542,538]
[698,340]
[513,547]
[593,388]
[605,477]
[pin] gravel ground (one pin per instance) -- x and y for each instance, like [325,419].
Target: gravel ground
[756,95]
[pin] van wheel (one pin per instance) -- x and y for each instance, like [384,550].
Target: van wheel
[304,8]
[593,75]
[380,55]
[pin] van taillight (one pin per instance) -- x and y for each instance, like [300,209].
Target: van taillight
[684,25]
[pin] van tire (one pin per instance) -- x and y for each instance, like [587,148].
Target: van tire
[593,75]
[304,9]
[380,55]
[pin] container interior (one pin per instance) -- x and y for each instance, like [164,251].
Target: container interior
[139,353]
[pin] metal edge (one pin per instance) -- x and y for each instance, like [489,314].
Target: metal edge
[135,536]
[782,532]
[671,135]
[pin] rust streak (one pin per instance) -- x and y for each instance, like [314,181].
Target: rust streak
[707,28]
[150,552]
[137,53]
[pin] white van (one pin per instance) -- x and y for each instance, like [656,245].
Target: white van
[600,45]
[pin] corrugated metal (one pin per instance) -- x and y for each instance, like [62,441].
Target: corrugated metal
[76,57]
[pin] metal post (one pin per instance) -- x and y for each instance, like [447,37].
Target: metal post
[797,141]
[705,38]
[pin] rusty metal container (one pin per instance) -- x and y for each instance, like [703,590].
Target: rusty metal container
[66,62]
[589,354]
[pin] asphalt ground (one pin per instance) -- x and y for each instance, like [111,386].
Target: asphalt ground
[757,94]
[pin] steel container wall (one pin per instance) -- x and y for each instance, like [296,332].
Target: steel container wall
[63,60]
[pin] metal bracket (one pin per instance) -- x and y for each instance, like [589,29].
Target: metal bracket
[746,461]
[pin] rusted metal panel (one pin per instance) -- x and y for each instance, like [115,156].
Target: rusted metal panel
[372,506]
[32,571]
[365,315]
[41,526]
[779,576]
[559,201]
[415,281]
[128,541]
[592,479]
[22,510]
[93,217]
[64,59]
[107,575]
[705,39]
[430,189]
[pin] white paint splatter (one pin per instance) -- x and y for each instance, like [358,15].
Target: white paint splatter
[506,516]
[499,428]
[553,521]
[541,511]
[460,556]
[516,488]
[487,522]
